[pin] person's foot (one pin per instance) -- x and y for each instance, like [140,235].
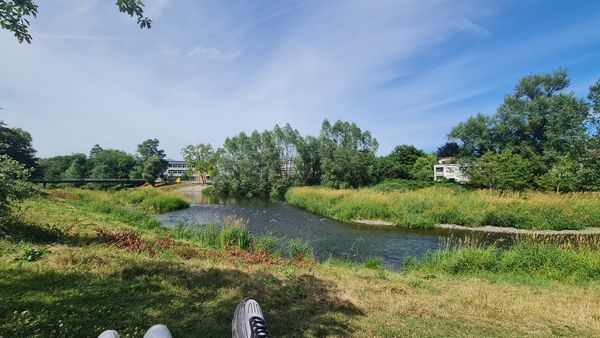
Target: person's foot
[248,320]
[158,331]
[109,334]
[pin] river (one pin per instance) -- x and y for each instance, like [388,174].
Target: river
[328,237]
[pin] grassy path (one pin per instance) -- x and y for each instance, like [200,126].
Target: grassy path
[81,262]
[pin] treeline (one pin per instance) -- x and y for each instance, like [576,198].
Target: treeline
[148,163]
[342,156]
[541,137]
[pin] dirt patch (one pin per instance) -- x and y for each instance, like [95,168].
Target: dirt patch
[127,240]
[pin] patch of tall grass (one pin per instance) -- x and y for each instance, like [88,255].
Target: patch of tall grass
[433,205]
[574,261]
[301,249]
[134,206]
[236,235]
[410,185]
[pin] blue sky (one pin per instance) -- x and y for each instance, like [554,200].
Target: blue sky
[405,70]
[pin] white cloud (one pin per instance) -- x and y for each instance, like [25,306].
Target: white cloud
[206,71]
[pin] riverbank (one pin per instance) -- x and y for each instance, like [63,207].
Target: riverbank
[79,262]
[432,206]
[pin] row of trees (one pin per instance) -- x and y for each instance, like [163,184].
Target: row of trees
[267,163]
[541,137]
[341,156]
[148,163]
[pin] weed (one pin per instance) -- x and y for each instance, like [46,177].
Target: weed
[300,249]
[31,253]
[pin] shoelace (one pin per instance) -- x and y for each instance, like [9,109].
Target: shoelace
[259,328]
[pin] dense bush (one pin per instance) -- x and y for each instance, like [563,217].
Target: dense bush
[13,183]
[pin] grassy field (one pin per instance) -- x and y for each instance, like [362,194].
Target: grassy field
[426,207]
[78,262]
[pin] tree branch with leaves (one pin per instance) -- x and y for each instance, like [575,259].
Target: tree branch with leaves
[15,15]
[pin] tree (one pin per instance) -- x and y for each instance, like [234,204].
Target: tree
[594,98]
[200,158]
[514,171]
[564,175]
[308,162]
[16,143]
[153,168]
[150,148]
[15,14]
[96,149]
[422,169]
[398,164]
[506,170]
[147,166]
[539,115]
[449,149]
[475,136]
[77,168]
[13,183]
[484,171]
[110,163]
[348,155]
[66,166]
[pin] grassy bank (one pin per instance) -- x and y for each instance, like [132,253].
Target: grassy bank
[429,206]
[78,262]
[572,262]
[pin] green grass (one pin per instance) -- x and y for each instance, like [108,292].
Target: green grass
[427,207]
[73,268]
[539,261]
[411,185]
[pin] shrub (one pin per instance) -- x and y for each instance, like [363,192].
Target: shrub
[164,203]
[32,253]
[267,244]
[235,236]
[375,263]
[300,249]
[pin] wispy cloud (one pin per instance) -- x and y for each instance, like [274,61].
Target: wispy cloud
[406,70]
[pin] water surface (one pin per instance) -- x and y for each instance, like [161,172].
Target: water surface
[328,237]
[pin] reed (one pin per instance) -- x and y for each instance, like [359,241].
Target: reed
[427,207]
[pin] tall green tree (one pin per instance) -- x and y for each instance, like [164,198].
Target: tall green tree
[308,162]
[148,167]
[149,148]
[78,167]
[152,169]
[539,115]
[398,164]
[348,155]
[15,15]
[475,136]
[562,177]
[200,159]
[504,171]
[484,171]
[16,143]
[111,163]
[422,169]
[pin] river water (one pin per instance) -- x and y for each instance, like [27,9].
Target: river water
[329,238]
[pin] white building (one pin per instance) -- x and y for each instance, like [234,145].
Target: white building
[180,169]
[445,169]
